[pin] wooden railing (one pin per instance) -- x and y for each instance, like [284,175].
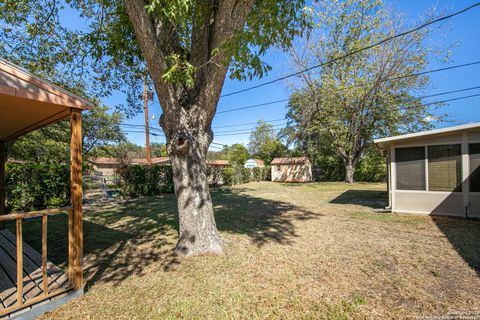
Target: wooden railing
[18,217]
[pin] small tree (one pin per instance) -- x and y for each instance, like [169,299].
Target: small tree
[343,105]
[264,143]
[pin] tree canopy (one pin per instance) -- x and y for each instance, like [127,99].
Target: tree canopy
[264,143]
[342,106]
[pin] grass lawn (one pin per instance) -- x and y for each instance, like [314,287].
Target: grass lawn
[305,251]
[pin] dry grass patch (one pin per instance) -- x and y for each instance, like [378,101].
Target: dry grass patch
[310,251]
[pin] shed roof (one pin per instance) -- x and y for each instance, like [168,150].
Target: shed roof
[28,102]
[291,160]
[385,142]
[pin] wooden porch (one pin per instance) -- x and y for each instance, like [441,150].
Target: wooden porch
[28,281]
[34,279]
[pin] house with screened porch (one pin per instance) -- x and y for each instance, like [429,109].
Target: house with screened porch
[434,172]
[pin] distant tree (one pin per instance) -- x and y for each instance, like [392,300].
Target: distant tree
[52,143]
[101,129]
[159,149]
[340,107]
[264,143]
[237,154]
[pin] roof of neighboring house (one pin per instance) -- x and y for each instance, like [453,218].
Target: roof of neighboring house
[154,160]
[218,162]
[259,162]
[384,142]
[291,160]
[134,161]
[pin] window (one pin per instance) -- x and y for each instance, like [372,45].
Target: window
[474,151]
[445,168]
[278,167]
[410,164]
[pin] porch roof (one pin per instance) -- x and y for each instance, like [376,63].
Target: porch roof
[386,142]
[28,102]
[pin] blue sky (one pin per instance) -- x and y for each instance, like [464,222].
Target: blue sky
[463,29]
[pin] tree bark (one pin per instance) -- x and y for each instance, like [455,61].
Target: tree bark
[197,229]
[187,145]
[349,171]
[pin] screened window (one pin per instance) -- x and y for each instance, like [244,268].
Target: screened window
[445,168]
[474,151]
[410,168]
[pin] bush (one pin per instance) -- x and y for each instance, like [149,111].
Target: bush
[214,176]
[267,173]
[139,180]
[234,176]
[257,174]
[36,186]
[245,175]
[228,176]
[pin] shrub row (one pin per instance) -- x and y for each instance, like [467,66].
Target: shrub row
[36,186]
[234,176]
[138,180]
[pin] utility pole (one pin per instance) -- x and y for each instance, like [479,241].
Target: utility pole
[147,129]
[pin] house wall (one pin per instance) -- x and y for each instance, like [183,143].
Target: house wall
[292,172]
[437,202]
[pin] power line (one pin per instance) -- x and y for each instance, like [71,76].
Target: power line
[448,92]
[363,84]
[253,106]
[241,130]
[249,123]
[248,131]
[399,109]
[346,55]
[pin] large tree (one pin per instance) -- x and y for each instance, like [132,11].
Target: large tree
[341,106]
[185,47]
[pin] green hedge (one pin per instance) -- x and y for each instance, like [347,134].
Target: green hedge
[138,180]
[36,186]
[234,176]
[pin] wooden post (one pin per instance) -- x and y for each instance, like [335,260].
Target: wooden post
[44,254]
[19,262]
[3,187]
[76,247]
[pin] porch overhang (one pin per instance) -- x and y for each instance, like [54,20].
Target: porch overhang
[28,102]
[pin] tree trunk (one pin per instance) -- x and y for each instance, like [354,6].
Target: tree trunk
[187,148]
[349,171]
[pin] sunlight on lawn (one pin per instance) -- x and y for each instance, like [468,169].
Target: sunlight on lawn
[316,250]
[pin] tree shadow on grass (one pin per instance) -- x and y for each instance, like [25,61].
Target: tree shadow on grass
[464,236]
[263,220]
[369,198]
[137,237]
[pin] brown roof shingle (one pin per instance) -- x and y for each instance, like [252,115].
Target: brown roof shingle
[291,160]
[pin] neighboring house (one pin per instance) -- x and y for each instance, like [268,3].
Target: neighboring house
[296,169]
[435,172]
[254,163]
[107,166]
[218,164]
